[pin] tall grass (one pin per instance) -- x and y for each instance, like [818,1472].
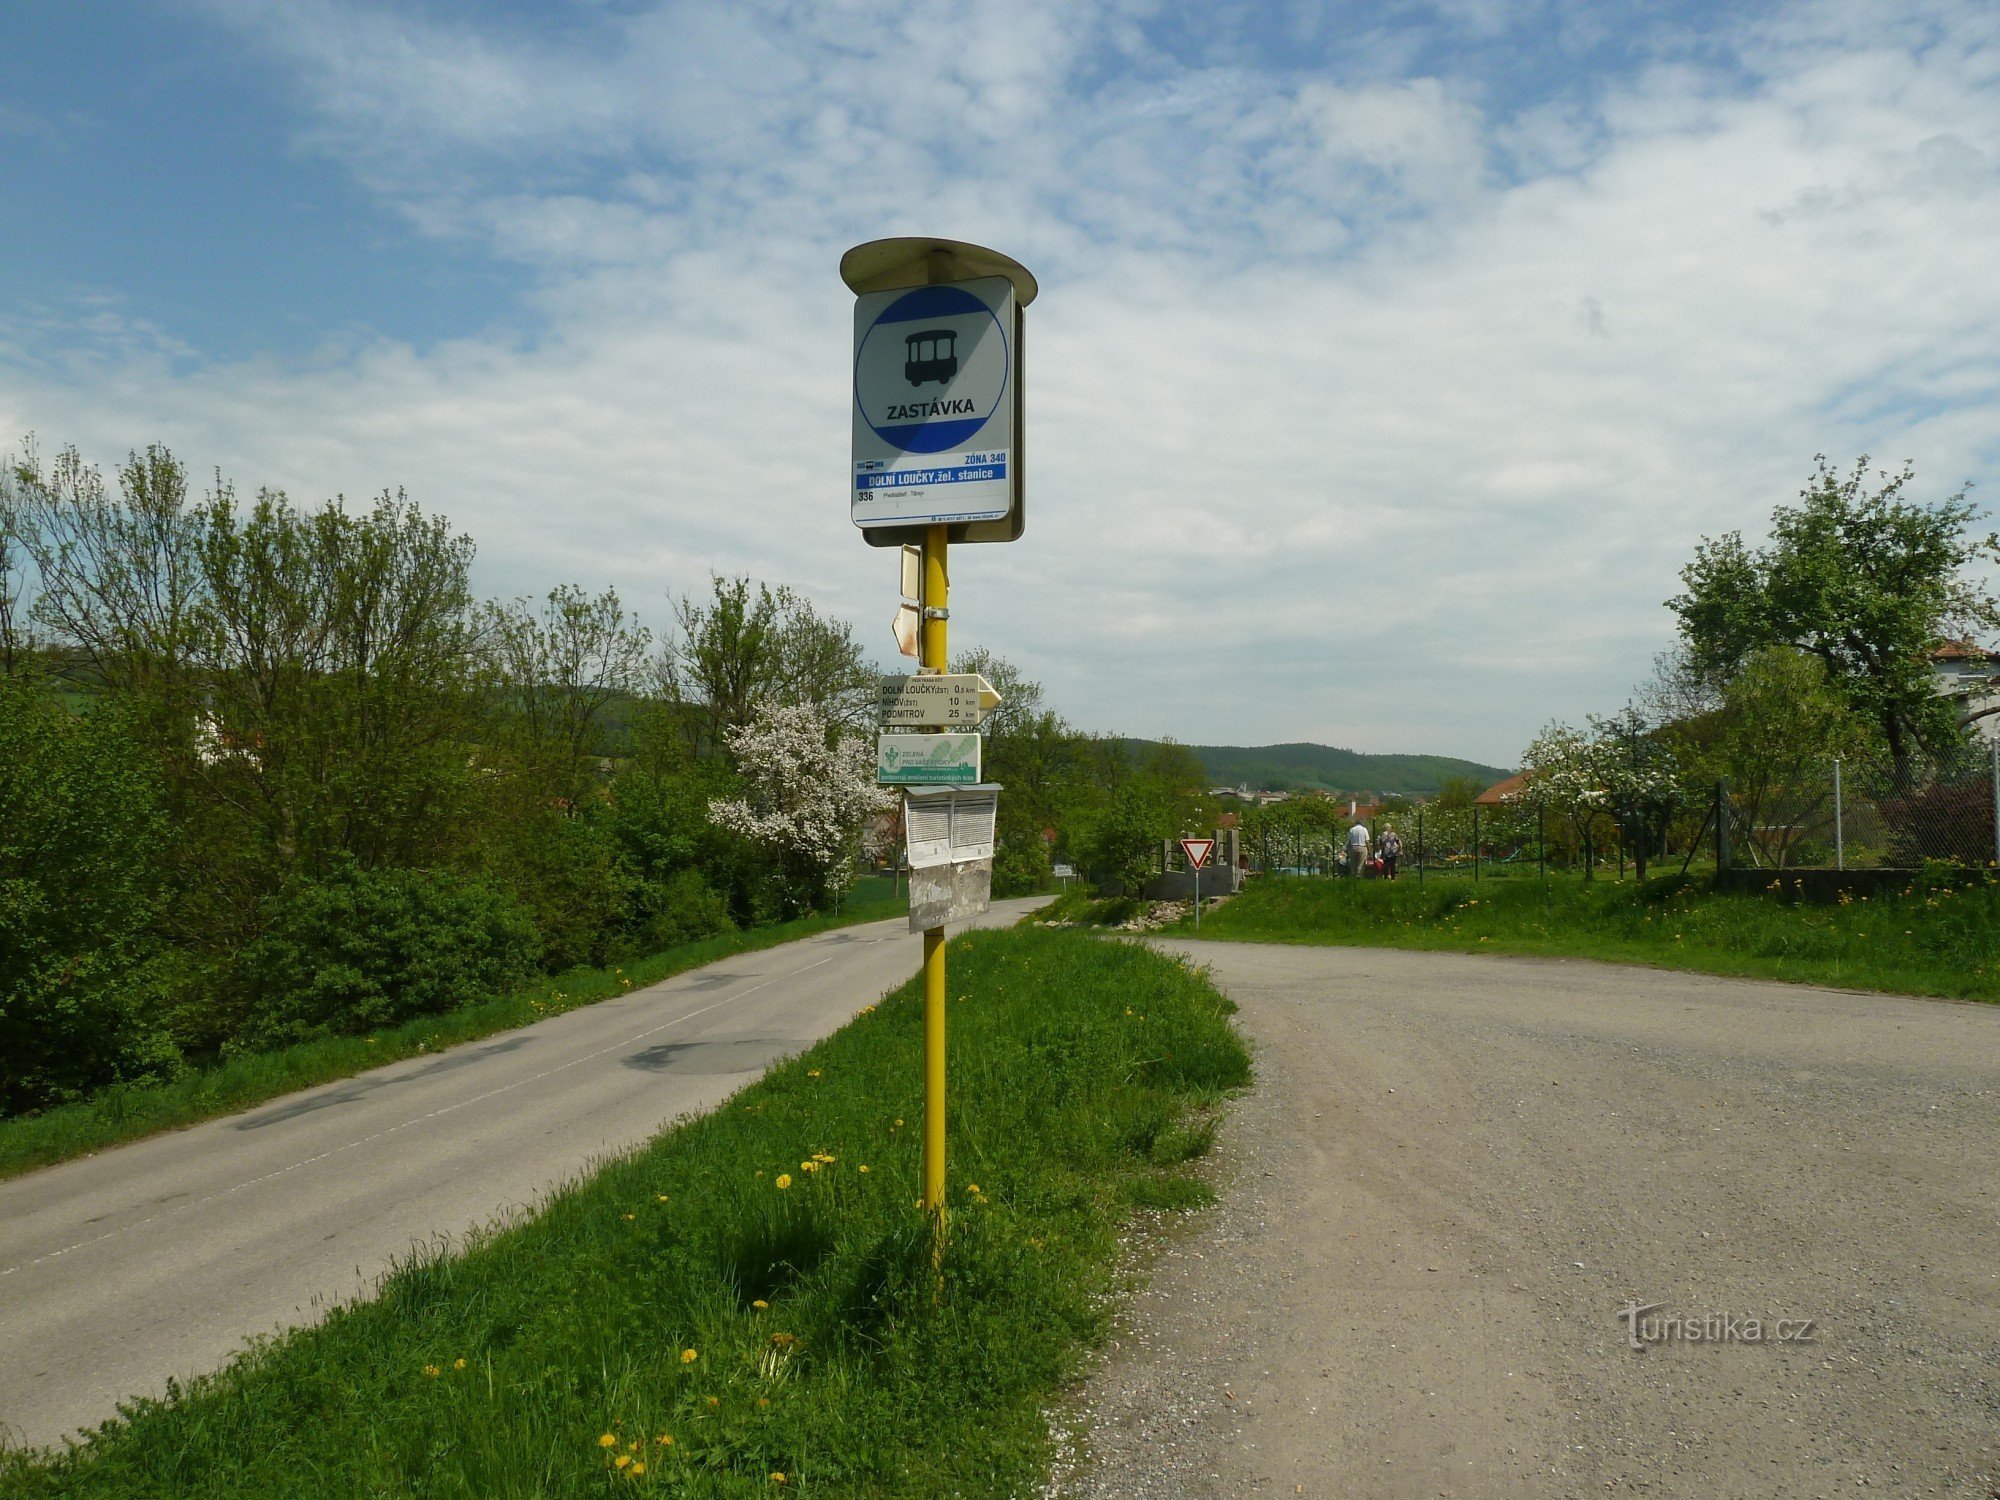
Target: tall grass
[128,1112]
[753,1295]
[1938,936]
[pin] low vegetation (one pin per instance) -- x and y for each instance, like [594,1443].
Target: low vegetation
[125,1112]
[1939,935]
[749,1306]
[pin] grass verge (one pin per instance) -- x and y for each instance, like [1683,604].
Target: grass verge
[753,1295]
[127,1112]
[1937,937]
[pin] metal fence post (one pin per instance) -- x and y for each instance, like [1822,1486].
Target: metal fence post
[1420,846]
[1475,841]
[1996,802]
[1542,842]
[1839,823]
[1722,850]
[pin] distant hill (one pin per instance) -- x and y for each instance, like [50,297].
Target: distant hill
[1309,768]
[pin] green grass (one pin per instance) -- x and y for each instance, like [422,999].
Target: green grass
[124,1113]
[1938,937]
[1081,1075]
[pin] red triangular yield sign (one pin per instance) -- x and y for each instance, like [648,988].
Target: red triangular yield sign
[1197,851]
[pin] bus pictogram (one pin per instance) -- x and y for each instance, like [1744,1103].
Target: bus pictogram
[930,355]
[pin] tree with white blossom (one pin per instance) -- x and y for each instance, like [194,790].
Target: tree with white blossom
[808,795]
[1617,766]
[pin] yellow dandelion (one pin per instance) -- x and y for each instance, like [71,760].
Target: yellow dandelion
[862,1168]
[808,1166]
[715,1401]
[777,1476]
[784,1340]
[763,1403]
[899,1124]
[638,1467]
[624,1460]
[661,1197]
[431,1370]
[458,1364]
[665,1440]
[784,1179]
[689,1356]
[972,1187]
[608,1440]
[761,1305]
[812,1072]
[631,1216]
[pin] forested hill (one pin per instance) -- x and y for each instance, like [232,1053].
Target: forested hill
[1306,767]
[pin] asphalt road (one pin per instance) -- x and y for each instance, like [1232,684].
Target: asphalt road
[1455,1170]
[160,1258]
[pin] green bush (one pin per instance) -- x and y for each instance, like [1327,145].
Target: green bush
[358,949]
[565,870]
[80,839]
[683,908]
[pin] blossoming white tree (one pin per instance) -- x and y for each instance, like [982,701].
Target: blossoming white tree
[808,794]
[1616,767]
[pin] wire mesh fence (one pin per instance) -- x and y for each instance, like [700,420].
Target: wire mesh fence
[1927,808]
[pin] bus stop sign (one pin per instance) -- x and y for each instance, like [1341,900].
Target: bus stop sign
[936,393]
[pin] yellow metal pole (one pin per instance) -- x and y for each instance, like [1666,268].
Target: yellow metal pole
[936,587]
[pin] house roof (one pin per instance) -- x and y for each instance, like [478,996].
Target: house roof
[1963,651]
[1497,794]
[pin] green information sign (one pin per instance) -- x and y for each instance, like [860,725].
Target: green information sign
[926,759]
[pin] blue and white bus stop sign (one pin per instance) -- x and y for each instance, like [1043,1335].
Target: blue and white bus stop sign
[937,389]
[934,404]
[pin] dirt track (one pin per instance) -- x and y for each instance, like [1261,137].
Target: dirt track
[1455,1170]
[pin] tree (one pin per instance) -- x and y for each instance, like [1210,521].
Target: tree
[806,794]
[120,580]
[560,668]
[1561,778]
[334,654]
[1640,777]
[746,646]
[1780,727]
[1864,579]
[80,891]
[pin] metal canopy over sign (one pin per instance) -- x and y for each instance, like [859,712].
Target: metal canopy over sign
[935,700]
[926,759]
[1197,851]
[934,373]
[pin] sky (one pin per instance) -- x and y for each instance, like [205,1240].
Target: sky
[1390,358]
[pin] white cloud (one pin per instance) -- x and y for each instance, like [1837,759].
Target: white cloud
[1360,410]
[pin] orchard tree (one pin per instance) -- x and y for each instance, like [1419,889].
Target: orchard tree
[1780,727]
[1861,577]
[807,796]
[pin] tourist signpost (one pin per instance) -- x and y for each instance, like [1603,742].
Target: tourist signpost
[937,457]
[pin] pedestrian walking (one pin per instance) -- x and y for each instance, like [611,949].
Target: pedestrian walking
[1391,850]
[1357,849]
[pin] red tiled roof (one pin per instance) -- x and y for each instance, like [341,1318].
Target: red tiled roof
[1497,794]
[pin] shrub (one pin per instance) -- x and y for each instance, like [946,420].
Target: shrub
[80,840]
[566,872]
[683,908]
[357,949]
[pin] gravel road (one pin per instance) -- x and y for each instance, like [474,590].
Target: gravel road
[160,1258]
[1455,1170]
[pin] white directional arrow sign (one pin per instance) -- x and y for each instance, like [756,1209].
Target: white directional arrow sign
[935,700]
